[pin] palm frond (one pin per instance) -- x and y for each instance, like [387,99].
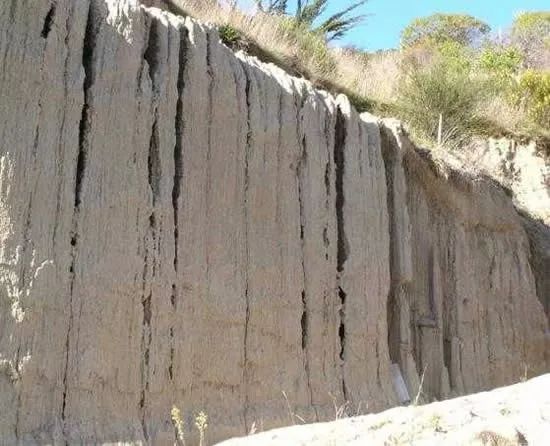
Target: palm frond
[337,25]
[274,6]
[308,13]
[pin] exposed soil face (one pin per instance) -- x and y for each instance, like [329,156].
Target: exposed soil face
[183,225]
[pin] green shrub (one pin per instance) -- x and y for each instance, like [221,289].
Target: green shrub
[438,90]
[456,56]
[503,65]
[533,92]
[230,36]
[501,60]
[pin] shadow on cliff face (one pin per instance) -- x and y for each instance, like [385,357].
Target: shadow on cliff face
[468,264]
[539,240]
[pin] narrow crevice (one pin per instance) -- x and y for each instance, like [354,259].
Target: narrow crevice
[342,336]
[173,304]
[339,163]
[146,339]
[327,180]
[208,168]
[85,120]
[19,396]
[248,148]
[153,161]
[178,166]
[448,319]
[25,244]
[432,304]
[304,320]
[304,323]
[172,353]
[48,22]
[326,242]
[392,310]
[151,56]
[89,44]
[178,147]
[342,329]
[450,314]
[152,53]
[326,239]
[60,164]
[340,136]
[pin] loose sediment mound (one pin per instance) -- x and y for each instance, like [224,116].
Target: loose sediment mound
[181,225]
[517,415]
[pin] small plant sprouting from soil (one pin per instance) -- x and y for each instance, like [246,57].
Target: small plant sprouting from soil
[201,421]
[177,421]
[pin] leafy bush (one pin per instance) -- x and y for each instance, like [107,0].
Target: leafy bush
[456,56]
[438,28]
[533,92]
[438,90]
[501,60]
[230,36]
[502,64]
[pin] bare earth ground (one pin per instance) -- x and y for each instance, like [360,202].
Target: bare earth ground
[514,415]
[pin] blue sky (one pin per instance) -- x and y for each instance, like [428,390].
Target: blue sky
[388,17]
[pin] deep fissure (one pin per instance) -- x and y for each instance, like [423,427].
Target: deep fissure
[339,163]
[247,253]
[178,147]
[48,22]
[146,339]
[392,311]
[151,56]
[304,320]
[177,182]
[340,136]
[89,44]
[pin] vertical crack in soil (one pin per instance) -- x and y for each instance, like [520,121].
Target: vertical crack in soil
[89,45]
[48,22]
[340,136]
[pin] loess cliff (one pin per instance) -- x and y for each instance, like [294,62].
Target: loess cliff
[183,225]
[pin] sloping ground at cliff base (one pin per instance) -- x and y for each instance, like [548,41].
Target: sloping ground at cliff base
[508,416]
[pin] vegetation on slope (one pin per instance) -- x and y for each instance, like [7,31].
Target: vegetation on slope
[449,69]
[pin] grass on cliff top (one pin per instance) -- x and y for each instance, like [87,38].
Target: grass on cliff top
[279,40]
[386,83]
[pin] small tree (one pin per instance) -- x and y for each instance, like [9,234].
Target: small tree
[531,33]
[440,28]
